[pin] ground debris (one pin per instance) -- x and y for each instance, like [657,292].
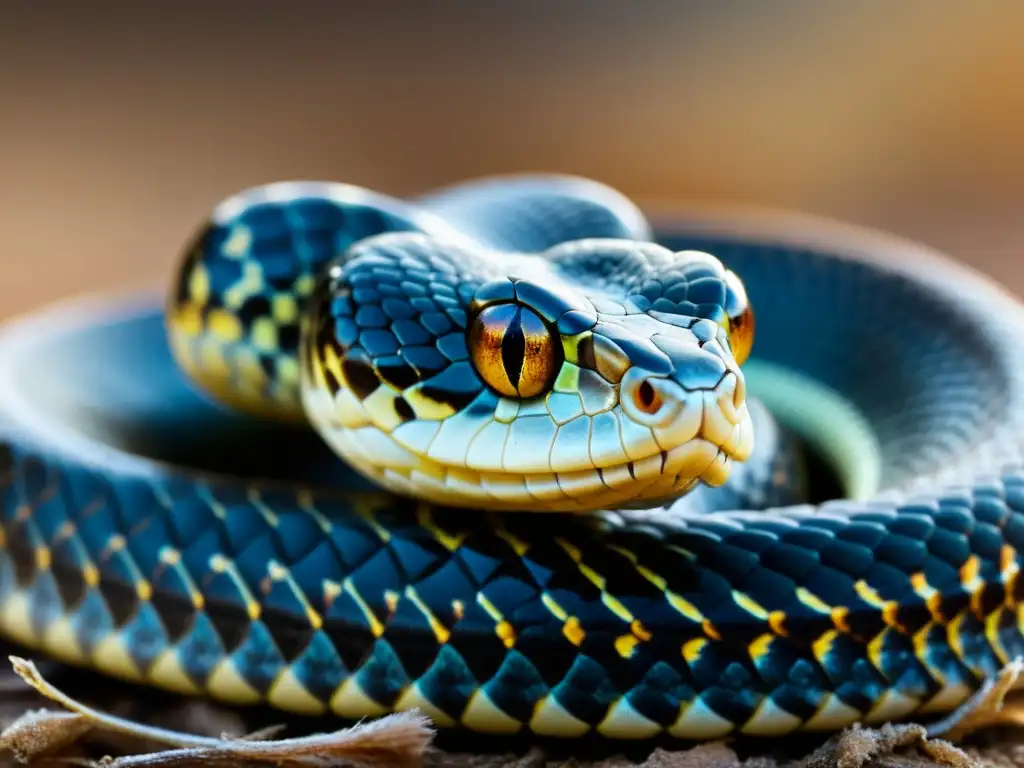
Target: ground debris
[126,727]
[398,740]
[42,732]
[889,745]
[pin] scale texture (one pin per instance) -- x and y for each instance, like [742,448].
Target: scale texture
[733,615]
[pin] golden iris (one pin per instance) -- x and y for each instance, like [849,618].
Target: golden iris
[741,334]
[513,350]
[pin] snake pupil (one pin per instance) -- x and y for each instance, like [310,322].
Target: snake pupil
[513,348]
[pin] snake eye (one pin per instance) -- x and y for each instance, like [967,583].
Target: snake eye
[741,334]
[513,350]
[739,322]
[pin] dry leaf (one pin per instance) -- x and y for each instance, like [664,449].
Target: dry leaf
[398,740]
[42,732]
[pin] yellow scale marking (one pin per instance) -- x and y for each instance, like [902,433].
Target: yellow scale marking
[351,701]
[571,345]
[284,308]
[111,655]
[441,632]
[238,242]
[970,578]
[250,284]
[832,714]
[992,622]
[221,564]
[625,645]
[291,695]
[760,647]
[172,559]
[332,363]
[305,285]
[224,325]
[892,705]
[573,631]
[426,408]
[199,285]
[921,648]
[507,633]
[692,649]
[305,499]
[571,628]
[17,619]
[412,698]
[868,594]
[374,623]
[769,719]
[263,334]
[874,649]
[61,641]
[228,684]
[503,629]
[279,573]
[552,719]
[623,721]
[609,600]
[680,603]
[382,532]
[750,605]
[43,558]
[425,517]
[117,544]
[822,646]
[812,601]
[954,638]
[482,714]
[698,721]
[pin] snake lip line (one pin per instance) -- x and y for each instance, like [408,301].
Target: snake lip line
[706,435]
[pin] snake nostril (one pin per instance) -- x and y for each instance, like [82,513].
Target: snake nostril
[647,398]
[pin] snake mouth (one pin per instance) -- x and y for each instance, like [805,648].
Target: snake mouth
[697,438]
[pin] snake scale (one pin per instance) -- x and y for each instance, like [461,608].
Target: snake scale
[564,506]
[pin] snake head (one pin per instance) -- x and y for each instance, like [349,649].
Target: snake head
[599,374]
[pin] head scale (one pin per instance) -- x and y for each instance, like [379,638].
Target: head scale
[600,373]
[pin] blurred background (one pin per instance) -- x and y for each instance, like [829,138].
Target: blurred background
[124,123]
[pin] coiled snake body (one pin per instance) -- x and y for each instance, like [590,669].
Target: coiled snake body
[497,362]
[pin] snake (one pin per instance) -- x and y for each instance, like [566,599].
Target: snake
[511,454]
